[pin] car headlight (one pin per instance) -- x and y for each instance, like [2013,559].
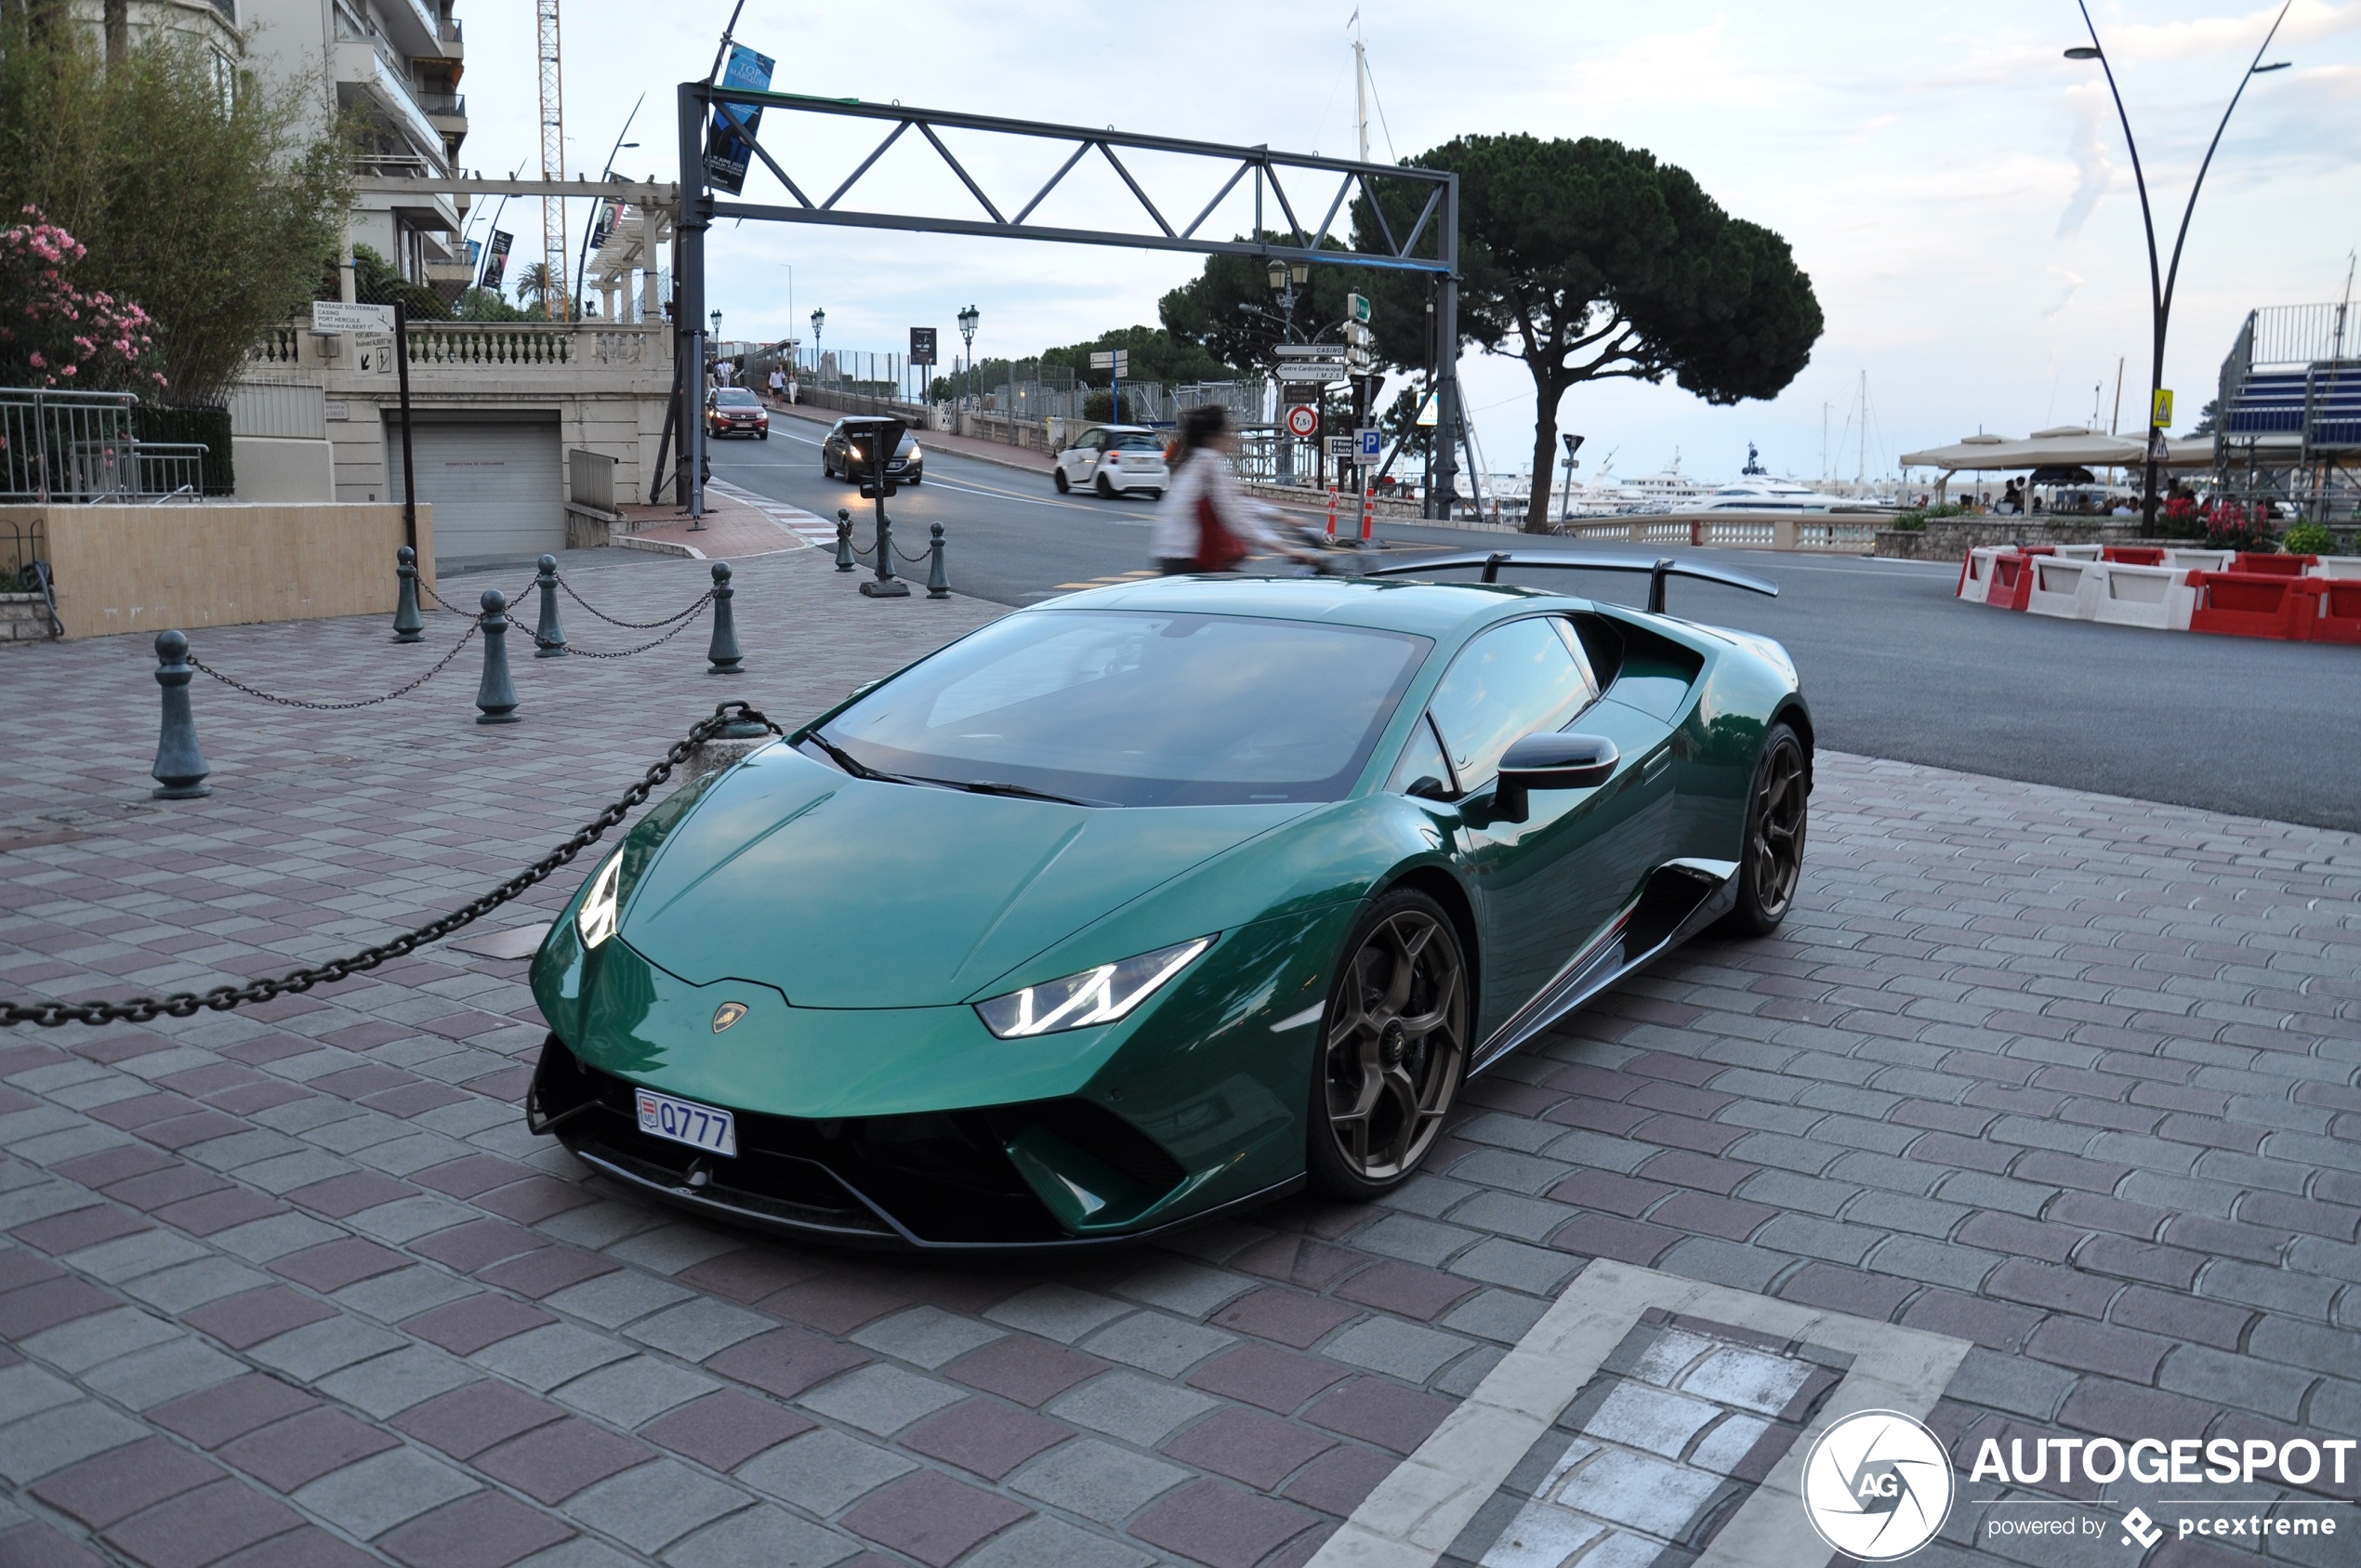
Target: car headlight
[1100,995]
[913,455]
[595,921]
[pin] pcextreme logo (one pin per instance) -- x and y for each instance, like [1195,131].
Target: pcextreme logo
[1877,1485]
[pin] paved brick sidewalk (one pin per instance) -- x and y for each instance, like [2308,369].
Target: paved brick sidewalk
[2071,1077]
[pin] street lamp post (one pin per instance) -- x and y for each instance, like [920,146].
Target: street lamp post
[2161,280]
[715,339]
[819,319]
[968,320]
[1285,279]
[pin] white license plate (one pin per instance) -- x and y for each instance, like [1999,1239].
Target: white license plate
[699,1127]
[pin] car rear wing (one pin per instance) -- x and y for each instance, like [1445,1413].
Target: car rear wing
[1657,571]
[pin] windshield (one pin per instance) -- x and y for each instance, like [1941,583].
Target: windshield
[736,397]
[1118,709]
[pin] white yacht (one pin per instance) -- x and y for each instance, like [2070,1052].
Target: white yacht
[1755,490]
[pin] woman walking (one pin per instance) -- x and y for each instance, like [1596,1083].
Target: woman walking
[1207,524]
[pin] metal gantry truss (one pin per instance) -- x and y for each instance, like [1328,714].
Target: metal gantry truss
[1427,243]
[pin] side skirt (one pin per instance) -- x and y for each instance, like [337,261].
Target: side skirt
[1680,898]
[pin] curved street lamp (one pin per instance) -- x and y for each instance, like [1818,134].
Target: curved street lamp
[2161,280]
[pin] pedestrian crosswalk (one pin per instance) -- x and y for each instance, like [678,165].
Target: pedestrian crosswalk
[807,526]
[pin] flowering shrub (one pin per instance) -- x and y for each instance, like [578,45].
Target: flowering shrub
[2229,526]
[53,334]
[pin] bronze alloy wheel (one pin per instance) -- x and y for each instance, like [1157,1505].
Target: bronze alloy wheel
[1776,821]
[1394,1044]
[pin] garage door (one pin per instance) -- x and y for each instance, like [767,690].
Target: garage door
[493,482]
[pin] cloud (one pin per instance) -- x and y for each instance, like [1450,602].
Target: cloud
[2088,146]
[2073,282]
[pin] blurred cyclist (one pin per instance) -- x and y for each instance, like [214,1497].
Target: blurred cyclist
[1207,524]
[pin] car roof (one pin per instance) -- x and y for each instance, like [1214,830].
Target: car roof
[1436,610]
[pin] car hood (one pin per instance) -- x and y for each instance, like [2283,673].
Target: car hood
[846,893]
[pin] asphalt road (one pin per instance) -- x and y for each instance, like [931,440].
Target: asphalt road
[1892,664]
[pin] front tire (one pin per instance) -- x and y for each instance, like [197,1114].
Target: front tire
[1057,477]
[1392,1049]
[1771,860]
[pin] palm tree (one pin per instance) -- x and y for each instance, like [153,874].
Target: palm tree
[546,291]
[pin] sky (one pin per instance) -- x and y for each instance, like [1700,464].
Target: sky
[1960,193]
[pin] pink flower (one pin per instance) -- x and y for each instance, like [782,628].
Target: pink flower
[38,362]
[65,370]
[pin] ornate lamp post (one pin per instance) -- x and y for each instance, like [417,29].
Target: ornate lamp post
[968,320]
[2161,280]
[819,319]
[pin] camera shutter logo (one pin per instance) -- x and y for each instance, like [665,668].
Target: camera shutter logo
[1877,1486]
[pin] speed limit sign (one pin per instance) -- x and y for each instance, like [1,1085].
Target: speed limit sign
[1303,420]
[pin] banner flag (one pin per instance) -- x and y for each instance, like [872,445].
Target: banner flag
[729,143]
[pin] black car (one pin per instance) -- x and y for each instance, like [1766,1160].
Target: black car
[845,452]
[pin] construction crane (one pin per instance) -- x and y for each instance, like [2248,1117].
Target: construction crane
[553,164]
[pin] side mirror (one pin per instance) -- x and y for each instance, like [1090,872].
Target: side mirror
[1550,760]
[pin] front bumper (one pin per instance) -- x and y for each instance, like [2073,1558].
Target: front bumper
[957,1180]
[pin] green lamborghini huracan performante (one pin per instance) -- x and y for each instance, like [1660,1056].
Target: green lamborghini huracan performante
[1159,900]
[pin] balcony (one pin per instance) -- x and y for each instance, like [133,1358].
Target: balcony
[367,69]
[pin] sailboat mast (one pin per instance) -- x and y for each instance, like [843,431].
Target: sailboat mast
[1361,93]
[1861,476]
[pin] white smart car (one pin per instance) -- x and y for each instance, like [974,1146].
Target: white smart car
[1113,460]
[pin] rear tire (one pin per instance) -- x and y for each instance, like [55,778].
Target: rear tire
[1106,491]
[1057,477]
[1392,1049]
[1771,857]
[1155,495]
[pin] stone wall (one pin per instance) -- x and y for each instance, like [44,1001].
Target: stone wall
[147,568]
[1950,538]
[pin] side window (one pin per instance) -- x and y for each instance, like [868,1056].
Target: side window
[1421,758]
[1507,684]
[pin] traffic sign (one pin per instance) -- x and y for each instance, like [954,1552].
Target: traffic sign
[1303,420]
[1340,447]
[1356,308]
[2161,416]
[373,352]
[1305,351]
[329,315]
[1370,442]
[1116,360]
[1322,371]
[1427,411]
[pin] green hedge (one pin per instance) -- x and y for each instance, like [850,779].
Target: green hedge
[208,426]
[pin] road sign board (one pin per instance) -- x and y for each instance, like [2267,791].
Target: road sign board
[1305,351]
[1303,420]
[373,352]
[922,345]
[1356,307]
[1322,371]
[1340,447]
[1427,416]
[329,315]
[1116,360]
[1370,444]
[2159,451]
[2161,416]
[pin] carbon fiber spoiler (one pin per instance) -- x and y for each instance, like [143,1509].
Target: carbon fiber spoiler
[1657,571]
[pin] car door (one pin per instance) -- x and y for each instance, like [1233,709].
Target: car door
[1085,455]
[1546,889]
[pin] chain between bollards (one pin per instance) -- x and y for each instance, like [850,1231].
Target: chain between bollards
[728,717]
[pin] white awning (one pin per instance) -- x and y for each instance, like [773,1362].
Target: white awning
[2066,447]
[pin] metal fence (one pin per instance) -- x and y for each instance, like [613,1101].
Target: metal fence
[22,544]
[590,479]
[2289,334]
[76,447]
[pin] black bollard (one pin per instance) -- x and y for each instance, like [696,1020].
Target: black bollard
[722,655]
[496,695]
[846,560]
[548,638]
[179,768]
[938,581]
[888,583]
[408,625]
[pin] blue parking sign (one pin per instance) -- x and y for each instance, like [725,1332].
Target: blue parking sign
[1371,445]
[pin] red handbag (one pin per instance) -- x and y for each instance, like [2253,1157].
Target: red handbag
[1218,548]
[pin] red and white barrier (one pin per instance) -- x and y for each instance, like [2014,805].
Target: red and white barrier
[2061,587]
[2158,597]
